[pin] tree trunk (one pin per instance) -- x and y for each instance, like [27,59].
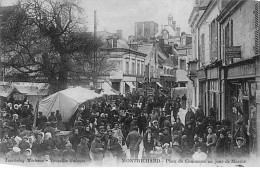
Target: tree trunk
[63,73]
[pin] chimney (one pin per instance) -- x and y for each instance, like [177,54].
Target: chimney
[119,33]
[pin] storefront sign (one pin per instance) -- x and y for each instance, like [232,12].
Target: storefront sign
[233,52]
[201,74]
[247,70]
[212,73]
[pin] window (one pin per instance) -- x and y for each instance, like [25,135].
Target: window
[138,69]
[127,67]
[133,68]
[182,84]
[202,54]
[164,70]
[151,72]
[168,71]
[213,41]
[183,64]
[142,69]
[114,43]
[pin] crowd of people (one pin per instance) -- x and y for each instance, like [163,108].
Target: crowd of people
[99,131]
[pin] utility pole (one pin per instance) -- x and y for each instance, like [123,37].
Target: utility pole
[95,50]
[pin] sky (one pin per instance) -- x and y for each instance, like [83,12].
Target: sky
[115,15]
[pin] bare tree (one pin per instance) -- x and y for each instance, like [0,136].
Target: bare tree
[47,39]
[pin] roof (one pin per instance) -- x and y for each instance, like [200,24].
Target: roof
[170,30]
[27,88]
[104,34]
[122,44]
[146,49]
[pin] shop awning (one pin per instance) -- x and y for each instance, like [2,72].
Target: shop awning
[159,84]
[130,84]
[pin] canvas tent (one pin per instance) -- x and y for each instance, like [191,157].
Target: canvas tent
[33,91]
[66,101]
[107,89]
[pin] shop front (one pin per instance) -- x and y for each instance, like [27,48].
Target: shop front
[213,97]
[202,89]
[241,98]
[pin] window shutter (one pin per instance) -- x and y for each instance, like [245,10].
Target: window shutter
[256,12]
[231,32]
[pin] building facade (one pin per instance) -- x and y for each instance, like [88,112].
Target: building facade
[239,50]
[129,64]
[224,69]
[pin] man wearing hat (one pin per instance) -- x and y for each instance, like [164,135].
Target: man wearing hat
[148,141]
[97,150]
[141,123]
[75,139]
[23,131]
[127,123]
[133,141]
[41,121]
[111,144]
[52,117]
[165,137]
[162,118]
[167,122]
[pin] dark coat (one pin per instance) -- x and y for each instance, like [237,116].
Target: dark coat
[74,140]
[220,148]
[148,145]
[133,140]
[114,146]
[142,122]
[165,139]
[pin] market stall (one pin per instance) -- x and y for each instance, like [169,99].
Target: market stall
[66,101]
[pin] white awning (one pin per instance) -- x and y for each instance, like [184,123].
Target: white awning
[159,84]
[130,84]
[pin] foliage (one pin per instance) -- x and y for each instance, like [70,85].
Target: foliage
[48,41]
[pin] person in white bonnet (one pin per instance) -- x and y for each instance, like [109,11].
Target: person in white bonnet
[199,155]
[17,140]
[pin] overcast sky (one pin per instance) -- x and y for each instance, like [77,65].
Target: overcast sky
[115,15]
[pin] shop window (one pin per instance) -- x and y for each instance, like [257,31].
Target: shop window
[127,67]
